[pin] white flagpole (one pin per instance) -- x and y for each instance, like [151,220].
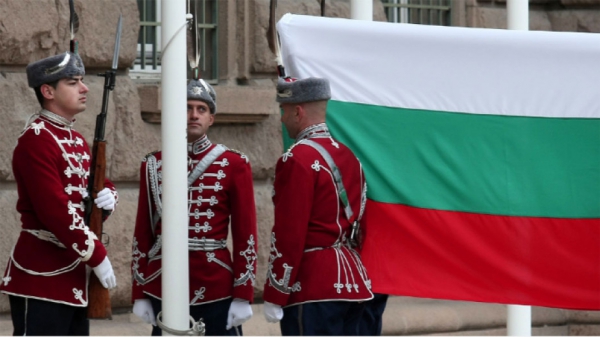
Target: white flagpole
[175,266]
[518,319]
[517,14]
[404,12]
[361,10]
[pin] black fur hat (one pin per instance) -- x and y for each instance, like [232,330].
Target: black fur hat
[54,68]
[291,90]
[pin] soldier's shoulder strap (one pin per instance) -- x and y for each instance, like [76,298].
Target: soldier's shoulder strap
[205,162]
[202,165]
[337,176]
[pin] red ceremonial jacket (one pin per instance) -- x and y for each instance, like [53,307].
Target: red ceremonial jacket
[222,195]
[310,259]
[51,167]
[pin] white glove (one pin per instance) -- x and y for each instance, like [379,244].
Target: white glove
[239,312]
[105,274]
[105,199]
[273,312]
[143,309]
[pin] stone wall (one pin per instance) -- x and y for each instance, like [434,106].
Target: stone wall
[248,117]
[550,15]
[33,29]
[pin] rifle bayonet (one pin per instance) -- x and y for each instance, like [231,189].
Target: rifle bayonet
[193,43]
[98,298]
[73,27]
[273,39]
[115,62]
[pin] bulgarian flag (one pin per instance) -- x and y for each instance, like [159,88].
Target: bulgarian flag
[481,149]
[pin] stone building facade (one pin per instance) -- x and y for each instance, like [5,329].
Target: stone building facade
[248,120]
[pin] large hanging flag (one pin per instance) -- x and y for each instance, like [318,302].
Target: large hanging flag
[481,149]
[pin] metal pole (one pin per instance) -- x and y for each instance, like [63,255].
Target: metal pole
[404,12]
[175,266]
[517,14]
[361,10]
[518,319]
[158,29]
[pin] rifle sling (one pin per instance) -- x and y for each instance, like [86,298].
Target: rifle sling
[337,176]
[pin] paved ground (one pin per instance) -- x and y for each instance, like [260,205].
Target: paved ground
[403,316]
[124,323]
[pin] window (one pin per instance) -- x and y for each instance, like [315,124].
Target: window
[425,12]
[149,38]
[147,63]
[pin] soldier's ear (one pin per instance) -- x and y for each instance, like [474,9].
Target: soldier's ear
[47,91]
[299,111]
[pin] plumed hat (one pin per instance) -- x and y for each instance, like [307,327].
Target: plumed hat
[291,90]
[201,91]
[54,68]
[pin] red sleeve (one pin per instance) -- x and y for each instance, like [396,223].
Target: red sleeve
[143,238]
[243,231]
[294,190]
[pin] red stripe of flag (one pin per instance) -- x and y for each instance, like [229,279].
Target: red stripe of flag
[485,258]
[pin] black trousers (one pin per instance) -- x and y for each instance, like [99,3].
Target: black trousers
[214,316]
[44,318]
[370,322]
[331,318]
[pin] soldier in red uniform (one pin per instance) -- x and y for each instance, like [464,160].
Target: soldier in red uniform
[46,277]
[316,283]
[220,194]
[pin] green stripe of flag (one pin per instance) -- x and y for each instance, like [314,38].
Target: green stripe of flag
[500,165]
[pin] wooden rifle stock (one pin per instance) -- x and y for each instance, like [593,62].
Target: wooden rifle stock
[98,297]
[99,306]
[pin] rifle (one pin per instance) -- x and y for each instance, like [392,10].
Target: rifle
[98,297]
[273,37]
[73,27]
[193,42]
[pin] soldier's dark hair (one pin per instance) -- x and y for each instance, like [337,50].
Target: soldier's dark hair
[38,91]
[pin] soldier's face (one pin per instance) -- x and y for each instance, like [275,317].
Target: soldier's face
[289,119]
[199,119]
[68,98]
